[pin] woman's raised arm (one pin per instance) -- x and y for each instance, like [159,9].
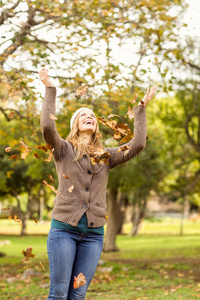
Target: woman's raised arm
[138,142]
[47,121]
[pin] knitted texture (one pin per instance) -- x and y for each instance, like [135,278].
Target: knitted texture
[89,181]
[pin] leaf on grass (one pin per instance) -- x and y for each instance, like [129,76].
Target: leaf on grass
[27,254]
[18,220]
[81,90]
[52,117]
[51,178]
[70,189]
[7,149]
[11,114]
[80,280]
[130,113]
[65,176]
[34,133]
[50,186]
[42,266]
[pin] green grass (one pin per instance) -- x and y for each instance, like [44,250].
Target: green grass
[149,266]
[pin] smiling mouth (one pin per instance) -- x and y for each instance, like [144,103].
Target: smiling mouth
[88,122]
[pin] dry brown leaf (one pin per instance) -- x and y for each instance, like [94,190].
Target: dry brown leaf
[80,280]
[18,220]
[70,189]
[65,176]
[51,178]
[50,186]
[7,149]
[113,115]
[130,113]
[81,90]
[37,156]
[15,157]
[11,114]
[44,147]
[34,133]
[42,266]
[27,253]
[52,117]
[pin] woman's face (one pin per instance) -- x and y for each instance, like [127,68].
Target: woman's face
[87,121]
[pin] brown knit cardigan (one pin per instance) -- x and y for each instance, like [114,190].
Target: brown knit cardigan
[89,181]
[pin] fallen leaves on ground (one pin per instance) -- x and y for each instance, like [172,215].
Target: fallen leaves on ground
[80,280]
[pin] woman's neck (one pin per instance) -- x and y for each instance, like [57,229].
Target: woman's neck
[85,138]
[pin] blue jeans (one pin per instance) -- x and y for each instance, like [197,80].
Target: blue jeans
[71,253]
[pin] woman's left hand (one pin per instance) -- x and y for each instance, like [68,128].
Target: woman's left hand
[149,95]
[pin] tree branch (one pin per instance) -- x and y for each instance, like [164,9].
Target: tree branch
[190,139]
[8,13]
[9,109]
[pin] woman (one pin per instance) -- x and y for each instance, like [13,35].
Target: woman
[75,240]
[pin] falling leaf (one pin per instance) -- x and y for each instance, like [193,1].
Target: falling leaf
[124,148]
[42,266]
[26,148]
[127,138]
[52,117]
[7,149]
[50,186]
[37,156]
[18,220]
[117,136]
[65,176]
[113,115]
[15,157]
[106,217]
[134,99]
[11,114]
[81,90]
[70,189]
[34,133]
[100,156]
[27,253]
[51,178]
[130,113]
[35,219]
[50,155]
[44,148]
[80,280]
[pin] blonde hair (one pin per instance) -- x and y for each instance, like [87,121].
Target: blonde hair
[75,139]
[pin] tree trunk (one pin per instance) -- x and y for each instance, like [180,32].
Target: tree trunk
[112,225]
[185,213]
[122,209]
[138,216]
[26,215]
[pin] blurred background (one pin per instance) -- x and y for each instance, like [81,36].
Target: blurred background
[119,49]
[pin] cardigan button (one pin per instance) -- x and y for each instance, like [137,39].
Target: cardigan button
[85,206]
[90,172]
[87,189]
[91,224]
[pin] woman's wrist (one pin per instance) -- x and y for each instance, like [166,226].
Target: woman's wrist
[48,83]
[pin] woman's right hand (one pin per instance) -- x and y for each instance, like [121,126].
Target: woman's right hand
[44,77]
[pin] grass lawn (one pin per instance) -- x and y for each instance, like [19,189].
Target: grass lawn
[149,266]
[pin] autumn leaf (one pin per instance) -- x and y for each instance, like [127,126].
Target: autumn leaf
[7,149]
[18,220]
[65,176]
[80,280]
[50,156]
[113,115]
[35,220]
[81,90]
[44,147]
[26,148]
[11,114]
[34,133]
[52,117]
[124,148]
[127,138]
[106,217]
[70,189]
[50,186]
[42,266]
[130,113]
[15,157]
[27,253]
[100,156]
[134,99]
[51,178]
[117,136]
[37,156]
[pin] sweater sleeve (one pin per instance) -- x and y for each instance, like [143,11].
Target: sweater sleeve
[48,126]
[136,144]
